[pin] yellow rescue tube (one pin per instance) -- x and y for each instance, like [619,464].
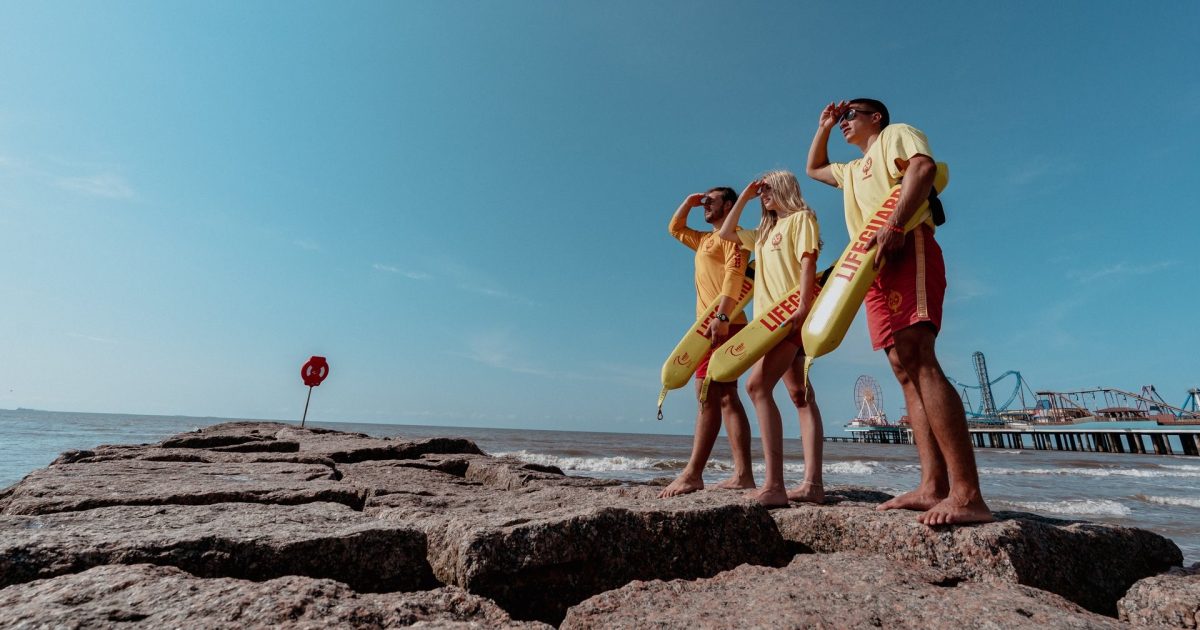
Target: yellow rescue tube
[831,313]
[681,364]
[736,356]
[853,273]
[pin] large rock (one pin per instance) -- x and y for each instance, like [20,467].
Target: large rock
[145,596]
[226,434]
[497,473]
[831,591]
[339,446]
[1171,600]
[107,453]
[272,441]
[1088,563]
[73,487]
[350,448]
[508,473]
[538,549]
[241,540]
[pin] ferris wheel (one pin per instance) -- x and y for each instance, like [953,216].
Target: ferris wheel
[868,399]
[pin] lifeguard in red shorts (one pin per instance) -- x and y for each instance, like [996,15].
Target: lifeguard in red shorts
[904,305]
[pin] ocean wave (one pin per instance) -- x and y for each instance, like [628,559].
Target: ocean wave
[1091,507]
[1166,471]
[1173,501]
[794,469]
[1183,467]
[856,467]
[597,464]
[643,464]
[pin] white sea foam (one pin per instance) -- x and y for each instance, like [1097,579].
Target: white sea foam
[619,463]
[1173,501]
[790,469]
[1166,471]
[855,467]
[1092,507]
[836,468]
[595,464]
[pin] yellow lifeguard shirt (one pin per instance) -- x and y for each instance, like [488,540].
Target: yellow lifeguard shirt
[778,270]
[720,266]
[867,181]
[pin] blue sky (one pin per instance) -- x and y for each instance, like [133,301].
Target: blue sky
[463,205]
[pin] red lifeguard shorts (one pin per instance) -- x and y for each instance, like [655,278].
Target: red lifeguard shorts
[909,289]
[702,369]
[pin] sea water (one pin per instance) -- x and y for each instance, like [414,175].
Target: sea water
[1159,493]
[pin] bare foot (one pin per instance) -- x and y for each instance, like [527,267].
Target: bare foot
[954,511]
[682,485]
[807,492]
[769,498]
[915,500]
[737,483]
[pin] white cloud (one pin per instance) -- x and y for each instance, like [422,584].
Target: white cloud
[414,275]
[498,349]
[306,244]
[107,185]
[479,283]
[630,374]
[1038,169]
[93,339]
[965,289]
[498,293]
[1121,269]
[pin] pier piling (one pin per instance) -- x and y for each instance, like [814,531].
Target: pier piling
[1162,441]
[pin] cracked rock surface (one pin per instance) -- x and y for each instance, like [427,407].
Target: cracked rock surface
[840,590]
[1170,600]
[243,540]
[1090,564]
[164,597]
[73,487]
[538,549]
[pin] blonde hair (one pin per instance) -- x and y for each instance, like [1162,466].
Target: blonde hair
[785,190]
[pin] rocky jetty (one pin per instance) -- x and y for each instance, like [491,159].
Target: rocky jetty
[265,524]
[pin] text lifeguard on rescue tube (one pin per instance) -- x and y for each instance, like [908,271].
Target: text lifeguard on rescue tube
[851,262]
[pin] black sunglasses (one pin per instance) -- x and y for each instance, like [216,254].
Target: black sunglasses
[851,114]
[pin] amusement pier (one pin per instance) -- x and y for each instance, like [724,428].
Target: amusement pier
[1055,421]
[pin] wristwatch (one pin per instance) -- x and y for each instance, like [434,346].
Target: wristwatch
[722,317]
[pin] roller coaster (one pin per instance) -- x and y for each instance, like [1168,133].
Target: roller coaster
[987,411]
[1099,404]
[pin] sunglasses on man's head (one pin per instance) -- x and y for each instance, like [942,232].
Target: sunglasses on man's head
[851,114]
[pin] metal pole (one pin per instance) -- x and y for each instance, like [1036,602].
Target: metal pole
[306,406]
